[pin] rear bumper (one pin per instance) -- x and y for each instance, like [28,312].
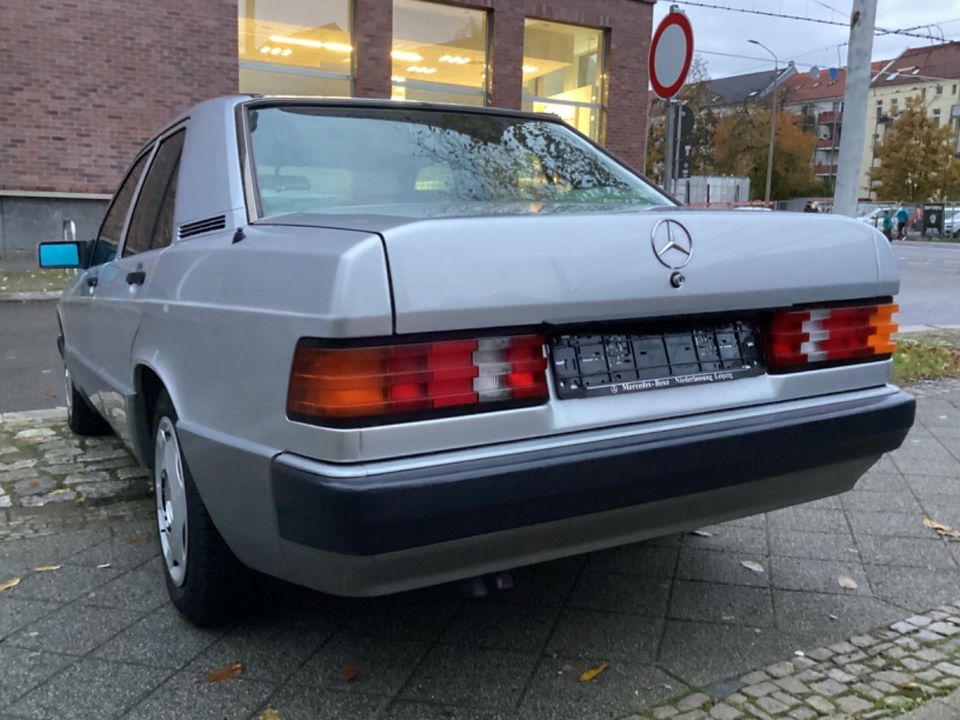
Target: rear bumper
[383,531]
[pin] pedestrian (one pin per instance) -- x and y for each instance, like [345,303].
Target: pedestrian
[902,216]
[888,225]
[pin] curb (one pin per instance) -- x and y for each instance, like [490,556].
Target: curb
[54,413]
[30,296]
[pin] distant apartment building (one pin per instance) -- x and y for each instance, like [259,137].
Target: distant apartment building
[930,73]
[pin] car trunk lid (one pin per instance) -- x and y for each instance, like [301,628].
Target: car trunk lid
[464,273]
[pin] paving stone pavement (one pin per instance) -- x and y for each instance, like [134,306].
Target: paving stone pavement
[686,629]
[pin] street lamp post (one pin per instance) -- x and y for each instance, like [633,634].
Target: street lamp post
[773,116]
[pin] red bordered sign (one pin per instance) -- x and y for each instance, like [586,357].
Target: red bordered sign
[671,53]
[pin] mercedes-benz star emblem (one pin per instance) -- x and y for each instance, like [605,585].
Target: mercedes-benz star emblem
[672,244]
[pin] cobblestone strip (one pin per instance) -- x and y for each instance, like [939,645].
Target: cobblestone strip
[43,464]
[880,674]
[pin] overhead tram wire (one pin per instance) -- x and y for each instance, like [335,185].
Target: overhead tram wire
[821,21]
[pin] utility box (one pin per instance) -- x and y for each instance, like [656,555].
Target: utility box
[933,218]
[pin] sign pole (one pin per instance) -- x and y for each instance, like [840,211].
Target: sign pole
[668,149]
[677,141]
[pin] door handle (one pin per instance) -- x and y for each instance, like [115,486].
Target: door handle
[136,278]
[92,281]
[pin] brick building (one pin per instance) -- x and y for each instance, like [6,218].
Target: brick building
[85,84]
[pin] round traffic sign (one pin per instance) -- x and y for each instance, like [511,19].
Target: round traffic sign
[670,54]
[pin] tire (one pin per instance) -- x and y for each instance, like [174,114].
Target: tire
[82,419]
[202,574]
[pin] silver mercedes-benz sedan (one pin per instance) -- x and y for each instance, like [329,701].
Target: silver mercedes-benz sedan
[369,346]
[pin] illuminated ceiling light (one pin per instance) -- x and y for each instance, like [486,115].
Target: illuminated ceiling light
[265,49]
[287,52]
[530,68]
[406,56]
[276,51]
[422,69]
[297,41]
[318,44]
[454,59]
[398,79]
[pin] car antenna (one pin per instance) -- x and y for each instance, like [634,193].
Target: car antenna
[238,235]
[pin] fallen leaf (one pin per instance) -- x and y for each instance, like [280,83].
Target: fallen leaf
[228,672]
[350,673]
[914,689]
[847,582]
[588,675]
[60,491]
[140,537]
[9,584]
[944,531]
[701,533]
[47,568]
[103,566]
[270,714]
[751,565]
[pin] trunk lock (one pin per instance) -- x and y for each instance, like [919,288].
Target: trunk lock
[677,279]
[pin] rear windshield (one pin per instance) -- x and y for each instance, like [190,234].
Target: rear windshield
[421,163]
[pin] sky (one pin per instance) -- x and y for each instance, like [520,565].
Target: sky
[807,43]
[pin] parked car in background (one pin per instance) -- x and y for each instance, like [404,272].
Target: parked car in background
[370,346]
[875,217]
[951,223]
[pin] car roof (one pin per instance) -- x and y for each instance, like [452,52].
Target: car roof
[281,100]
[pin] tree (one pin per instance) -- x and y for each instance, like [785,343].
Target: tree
[694,93]
[741,144]
[916,158]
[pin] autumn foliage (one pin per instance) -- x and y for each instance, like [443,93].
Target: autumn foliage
[742,141]
[916,159]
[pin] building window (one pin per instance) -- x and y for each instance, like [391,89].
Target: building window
[939,89]
[439,53]
[295,48]
[936,118]
[563,72]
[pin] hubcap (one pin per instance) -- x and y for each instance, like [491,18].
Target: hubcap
[171,497]
[68,392]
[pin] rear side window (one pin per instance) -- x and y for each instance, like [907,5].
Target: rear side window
[151,226]
[111,229]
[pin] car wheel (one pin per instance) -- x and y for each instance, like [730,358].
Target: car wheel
[200,570]
[81,417]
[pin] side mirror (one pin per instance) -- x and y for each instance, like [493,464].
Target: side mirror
[60,254]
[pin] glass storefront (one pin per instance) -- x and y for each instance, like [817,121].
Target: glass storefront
[295,47]
[439,53]
[563,73]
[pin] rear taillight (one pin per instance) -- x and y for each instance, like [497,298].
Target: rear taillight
[797,338]
[393,381]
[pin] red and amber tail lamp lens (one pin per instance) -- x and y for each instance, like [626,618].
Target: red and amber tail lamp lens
[797,339]
[344,385]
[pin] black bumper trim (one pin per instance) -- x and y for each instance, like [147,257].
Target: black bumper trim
[413,508]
